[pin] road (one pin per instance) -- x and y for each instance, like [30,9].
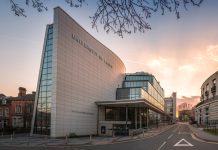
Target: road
[178,137]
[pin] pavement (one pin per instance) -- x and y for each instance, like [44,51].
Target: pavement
[180,136]
[205,136]
[25,140]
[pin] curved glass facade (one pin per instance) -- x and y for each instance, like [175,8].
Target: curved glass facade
[43,110]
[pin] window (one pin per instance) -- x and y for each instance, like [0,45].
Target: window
[4,102]
[6,112]
[17,122]
[18,109]
[1,112]
[28,109]
[214,82]
[206,110]
[207,87]
[115,114]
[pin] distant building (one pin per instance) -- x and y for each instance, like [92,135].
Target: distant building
[206,110]
[170,106]
[16,112]
[185,115]
[184,106]
[2,96]
[185,111]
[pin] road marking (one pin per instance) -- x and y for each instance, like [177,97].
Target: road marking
[170,136]
[162,145]
[183,140]
[176,129]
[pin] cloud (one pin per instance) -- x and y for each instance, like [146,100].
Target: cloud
[183,71]
[193,100]
[212,52]
[186,67]
[157,62]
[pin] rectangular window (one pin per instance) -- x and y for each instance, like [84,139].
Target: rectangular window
[115,114]
[42,88]
[49,88]
[29,109]
[45,65]
[214,82]
[50,31]
[49,70]
[4,102]
[18,109]
[6,112]
[49,58]
[207,87]
[49,53]
[1,112]
[49,47]
[44,71]
[49,64]
[49,82]
[48,94]
[50,36]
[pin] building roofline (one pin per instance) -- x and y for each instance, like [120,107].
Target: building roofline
[58,7]
[209,78]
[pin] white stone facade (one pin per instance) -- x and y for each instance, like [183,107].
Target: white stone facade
[206,112]
[84,71]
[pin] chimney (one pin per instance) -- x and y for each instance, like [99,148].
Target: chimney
[22,91]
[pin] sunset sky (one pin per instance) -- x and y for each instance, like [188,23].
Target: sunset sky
[180,53]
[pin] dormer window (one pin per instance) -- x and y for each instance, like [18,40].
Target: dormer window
[4,102]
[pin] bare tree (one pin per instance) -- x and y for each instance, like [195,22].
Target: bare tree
[119,16]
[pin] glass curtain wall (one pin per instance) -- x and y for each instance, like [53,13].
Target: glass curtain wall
[134,115]
[43,108]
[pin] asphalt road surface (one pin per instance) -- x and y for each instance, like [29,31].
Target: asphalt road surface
[178,137]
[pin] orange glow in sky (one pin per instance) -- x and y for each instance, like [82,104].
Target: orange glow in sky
[180,53]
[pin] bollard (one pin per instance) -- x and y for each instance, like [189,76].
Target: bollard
[113,134]
[46,140]
[27,140]
[66,140]
[143,132]
[90,138]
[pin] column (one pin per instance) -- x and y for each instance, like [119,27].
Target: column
[140,118]
[126,120]
[147,115]
[136,118]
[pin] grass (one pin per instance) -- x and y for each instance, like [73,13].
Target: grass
[212,131]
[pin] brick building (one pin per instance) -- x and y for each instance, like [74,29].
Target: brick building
[16,112]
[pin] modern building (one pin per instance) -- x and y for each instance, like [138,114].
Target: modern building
[77,74]
[206,111]
[16,112]
[76,71]
[139,104]
[170,106]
